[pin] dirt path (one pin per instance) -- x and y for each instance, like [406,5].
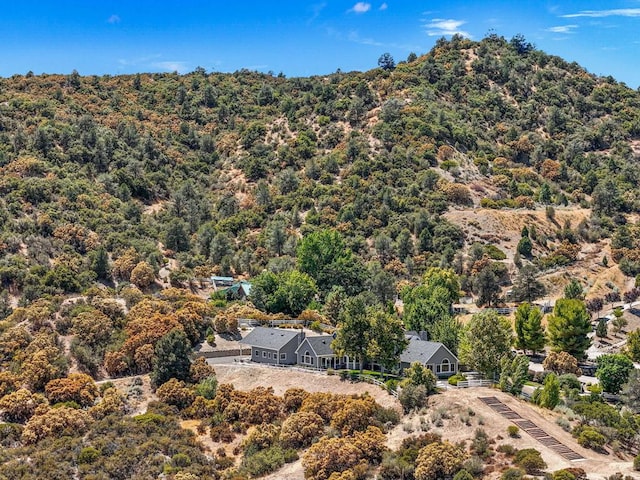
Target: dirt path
[73,363]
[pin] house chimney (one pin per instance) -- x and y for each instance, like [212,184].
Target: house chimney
[423,335]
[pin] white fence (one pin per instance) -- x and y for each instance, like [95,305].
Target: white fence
[474,383]
[375,381]
[248,323]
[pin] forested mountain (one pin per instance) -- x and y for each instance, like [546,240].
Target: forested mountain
[236,166]
[318,190]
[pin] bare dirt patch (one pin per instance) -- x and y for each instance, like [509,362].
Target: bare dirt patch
[249,376]
[154,207]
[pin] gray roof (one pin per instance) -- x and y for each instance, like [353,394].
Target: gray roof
[420,350]
[270,338]
[321,345]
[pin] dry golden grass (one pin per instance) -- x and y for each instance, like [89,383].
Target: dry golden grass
[503,228]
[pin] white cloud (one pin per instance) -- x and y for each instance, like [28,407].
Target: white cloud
[616,12]
[316,11]
[361,7]
[172,66]
[562,29]
[438,27]
[355,37]
[134,62]
[384,6]
[113,19]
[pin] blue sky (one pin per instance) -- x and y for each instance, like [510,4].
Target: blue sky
[300,38]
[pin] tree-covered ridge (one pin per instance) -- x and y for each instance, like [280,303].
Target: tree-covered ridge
[238,166]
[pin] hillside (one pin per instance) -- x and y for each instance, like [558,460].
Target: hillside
[478,169]
[228,170]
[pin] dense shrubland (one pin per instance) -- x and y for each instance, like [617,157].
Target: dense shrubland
[328,192]
[238,166]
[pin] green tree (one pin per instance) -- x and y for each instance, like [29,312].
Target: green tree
[486,339]
[602,330]
[404,244]
[514,371]
[525,246]
[424,305]
[381,283]
[300,289]
[286,292]
[419,375]
[100,263]
[526,286]
[386,62]
[176,238]
[444,278]
[352,337]
[574,290]
[171,358]
[486,287]
[324,255]
[632,348]
[549,396]
[568,326]
[334,304]
[387,338]
[276,237]
[613,371]
[528,327]
[618,322]
[446,330]
[544,195]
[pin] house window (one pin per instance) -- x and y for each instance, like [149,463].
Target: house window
[445,367]
[256,353]
[438,368]
[264,354]
[430,367]
[307,358]
[283,356]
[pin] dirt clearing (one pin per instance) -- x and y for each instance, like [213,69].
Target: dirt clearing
[248,376]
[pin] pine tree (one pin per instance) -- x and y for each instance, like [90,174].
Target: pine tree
[568,327]
[550,393]
[171,358]
[100,263]
[574,290]
[601,329]
[529,330]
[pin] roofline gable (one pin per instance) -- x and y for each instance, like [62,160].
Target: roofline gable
[306,340]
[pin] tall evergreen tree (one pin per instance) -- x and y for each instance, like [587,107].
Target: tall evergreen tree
[568,327]
[528,327]
[171,358]
[514,372]
[100,263]
[526,286]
